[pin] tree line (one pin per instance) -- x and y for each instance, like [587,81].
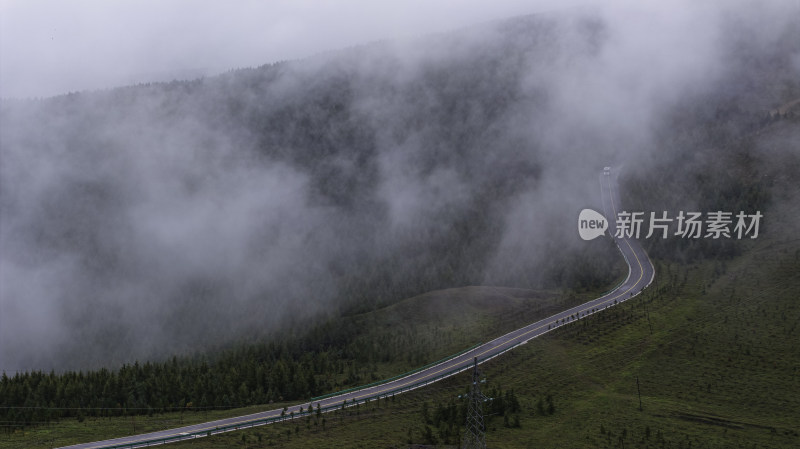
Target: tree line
[247,375]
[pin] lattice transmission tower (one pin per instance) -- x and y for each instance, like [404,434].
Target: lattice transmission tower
[475,432]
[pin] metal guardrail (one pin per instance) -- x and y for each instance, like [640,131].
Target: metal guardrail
[399,376]
[345,403]
[355,401]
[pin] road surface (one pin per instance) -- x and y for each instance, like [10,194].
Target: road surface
[640,275]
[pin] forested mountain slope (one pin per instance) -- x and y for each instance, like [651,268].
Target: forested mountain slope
[153,220]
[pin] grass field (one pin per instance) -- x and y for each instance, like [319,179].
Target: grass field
[713,346]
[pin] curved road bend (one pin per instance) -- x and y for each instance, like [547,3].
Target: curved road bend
[640,275]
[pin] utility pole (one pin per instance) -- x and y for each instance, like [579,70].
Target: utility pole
[639,392]
[475,432]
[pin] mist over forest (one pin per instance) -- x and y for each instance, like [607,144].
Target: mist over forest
[170,218]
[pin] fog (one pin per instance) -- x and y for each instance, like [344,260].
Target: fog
[163,219]
[54,47]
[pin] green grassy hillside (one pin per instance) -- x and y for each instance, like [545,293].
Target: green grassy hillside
[713,346]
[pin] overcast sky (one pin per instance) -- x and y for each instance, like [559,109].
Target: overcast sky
[50,47]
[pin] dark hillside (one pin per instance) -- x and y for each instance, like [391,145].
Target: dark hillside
[194,213]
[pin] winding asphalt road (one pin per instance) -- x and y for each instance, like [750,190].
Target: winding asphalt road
[640,275]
